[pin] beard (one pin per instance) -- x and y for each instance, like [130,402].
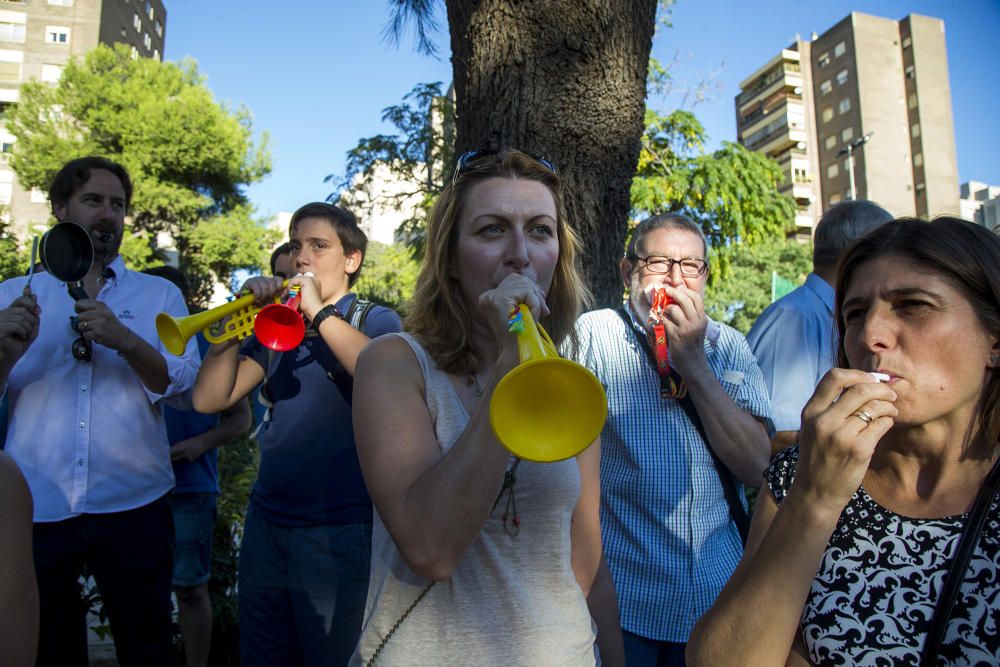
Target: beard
[637,299]
[107,243]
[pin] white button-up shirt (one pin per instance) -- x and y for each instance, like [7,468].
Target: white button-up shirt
[89,436]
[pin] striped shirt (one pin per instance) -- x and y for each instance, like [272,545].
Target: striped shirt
[668,537]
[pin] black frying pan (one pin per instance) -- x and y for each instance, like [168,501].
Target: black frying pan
[67,253]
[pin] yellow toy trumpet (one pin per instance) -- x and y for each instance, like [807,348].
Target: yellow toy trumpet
[175,332]
[548,408]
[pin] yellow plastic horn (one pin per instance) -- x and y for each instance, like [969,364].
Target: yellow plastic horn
[547,409]
[175,331]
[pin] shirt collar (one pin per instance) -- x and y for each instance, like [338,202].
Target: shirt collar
[822,289]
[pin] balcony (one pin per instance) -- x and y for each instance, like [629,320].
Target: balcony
[790,75]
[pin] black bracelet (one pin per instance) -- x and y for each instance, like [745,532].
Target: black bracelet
[325,312]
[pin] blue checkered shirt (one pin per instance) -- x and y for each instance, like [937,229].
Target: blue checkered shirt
[668,537]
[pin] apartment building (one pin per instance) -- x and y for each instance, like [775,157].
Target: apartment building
[864,108]
[37,39]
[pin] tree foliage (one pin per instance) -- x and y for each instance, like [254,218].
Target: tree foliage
[731,192]
[389,275]
[744,292]
[190,157]
[416,155]
[13,258]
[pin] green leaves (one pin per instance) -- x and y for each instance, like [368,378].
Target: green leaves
[732,192]
[388,276]
[741,295]
[190,157]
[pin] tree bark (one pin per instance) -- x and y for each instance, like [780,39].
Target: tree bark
[565,79]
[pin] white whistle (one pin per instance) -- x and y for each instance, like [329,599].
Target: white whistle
[880,377]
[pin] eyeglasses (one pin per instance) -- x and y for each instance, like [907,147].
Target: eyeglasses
[692,267]
[81,349]
[465,159]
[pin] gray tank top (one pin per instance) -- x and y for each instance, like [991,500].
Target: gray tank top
[512,600]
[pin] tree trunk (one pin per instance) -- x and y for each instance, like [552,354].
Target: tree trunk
[565,79]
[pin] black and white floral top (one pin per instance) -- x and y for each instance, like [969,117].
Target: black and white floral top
[873,597]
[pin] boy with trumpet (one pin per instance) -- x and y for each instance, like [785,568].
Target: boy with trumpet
[307,541]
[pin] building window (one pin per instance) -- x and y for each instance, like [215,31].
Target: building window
[915,130]
[827,114]
[846,164]
[844,106]
[830,142]
[12,32]
[839,50]
[835,199]
[136,22]
[832,170]
[10,72]
[911,101]
[847,134]
[57,34]
[51,73]
[909,72]
[842,77]
[135,53]
[918,159]
[147,41]
[159,28]
[825,87]
[156,54]
[824,59]
[149,9]
[38,196]
[906,42]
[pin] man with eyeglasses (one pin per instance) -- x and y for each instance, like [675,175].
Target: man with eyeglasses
[668,534]
[85,379]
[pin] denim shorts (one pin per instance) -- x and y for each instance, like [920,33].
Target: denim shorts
[194,519]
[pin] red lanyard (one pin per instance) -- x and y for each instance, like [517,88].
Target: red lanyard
[660,303]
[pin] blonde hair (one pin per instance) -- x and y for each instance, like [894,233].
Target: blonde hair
[437,313]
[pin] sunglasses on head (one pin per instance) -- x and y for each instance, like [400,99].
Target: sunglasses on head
[467,158]
[81,349]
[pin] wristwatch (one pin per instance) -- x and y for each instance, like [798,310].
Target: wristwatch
[325,312]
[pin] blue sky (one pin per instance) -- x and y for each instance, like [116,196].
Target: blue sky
[317,78]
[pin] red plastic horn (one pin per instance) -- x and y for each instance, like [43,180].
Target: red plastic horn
[279,326]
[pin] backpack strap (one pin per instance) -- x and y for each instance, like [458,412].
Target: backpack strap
[357,314]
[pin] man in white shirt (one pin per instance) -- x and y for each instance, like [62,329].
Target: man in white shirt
[84,381]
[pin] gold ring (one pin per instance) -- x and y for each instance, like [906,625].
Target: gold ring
[864,416]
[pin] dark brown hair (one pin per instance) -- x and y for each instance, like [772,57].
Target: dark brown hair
[962,253]
[352,238]
[75,174]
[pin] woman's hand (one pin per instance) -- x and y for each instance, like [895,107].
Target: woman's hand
[264,289]
[841,425]
[497,304]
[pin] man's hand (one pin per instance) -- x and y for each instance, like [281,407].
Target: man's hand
[186,451]
[19,324]
[685,324]
[99,325]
